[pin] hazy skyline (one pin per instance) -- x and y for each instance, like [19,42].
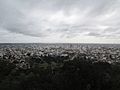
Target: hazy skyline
[60,21]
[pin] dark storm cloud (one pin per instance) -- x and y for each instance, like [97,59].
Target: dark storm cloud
[41,18]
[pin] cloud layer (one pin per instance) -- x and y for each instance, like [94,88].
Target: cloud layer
[61,18]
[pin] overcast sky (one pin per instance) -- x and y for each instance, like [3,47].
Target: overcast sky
[60,21]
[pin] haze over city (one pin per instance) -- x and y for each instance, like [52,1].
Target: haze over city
[59,21]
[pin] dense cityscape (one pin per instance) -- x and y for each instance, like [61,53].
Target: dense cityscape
[21,54]
[59,67]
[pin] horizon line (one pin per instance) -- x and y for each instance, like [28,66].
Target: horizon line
[51,43]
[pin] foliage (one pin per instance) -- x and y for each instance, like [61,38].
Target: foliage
[76,74]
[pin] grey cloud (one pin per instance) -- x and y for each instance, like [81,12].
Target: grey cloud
[94,34]
[31,17]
